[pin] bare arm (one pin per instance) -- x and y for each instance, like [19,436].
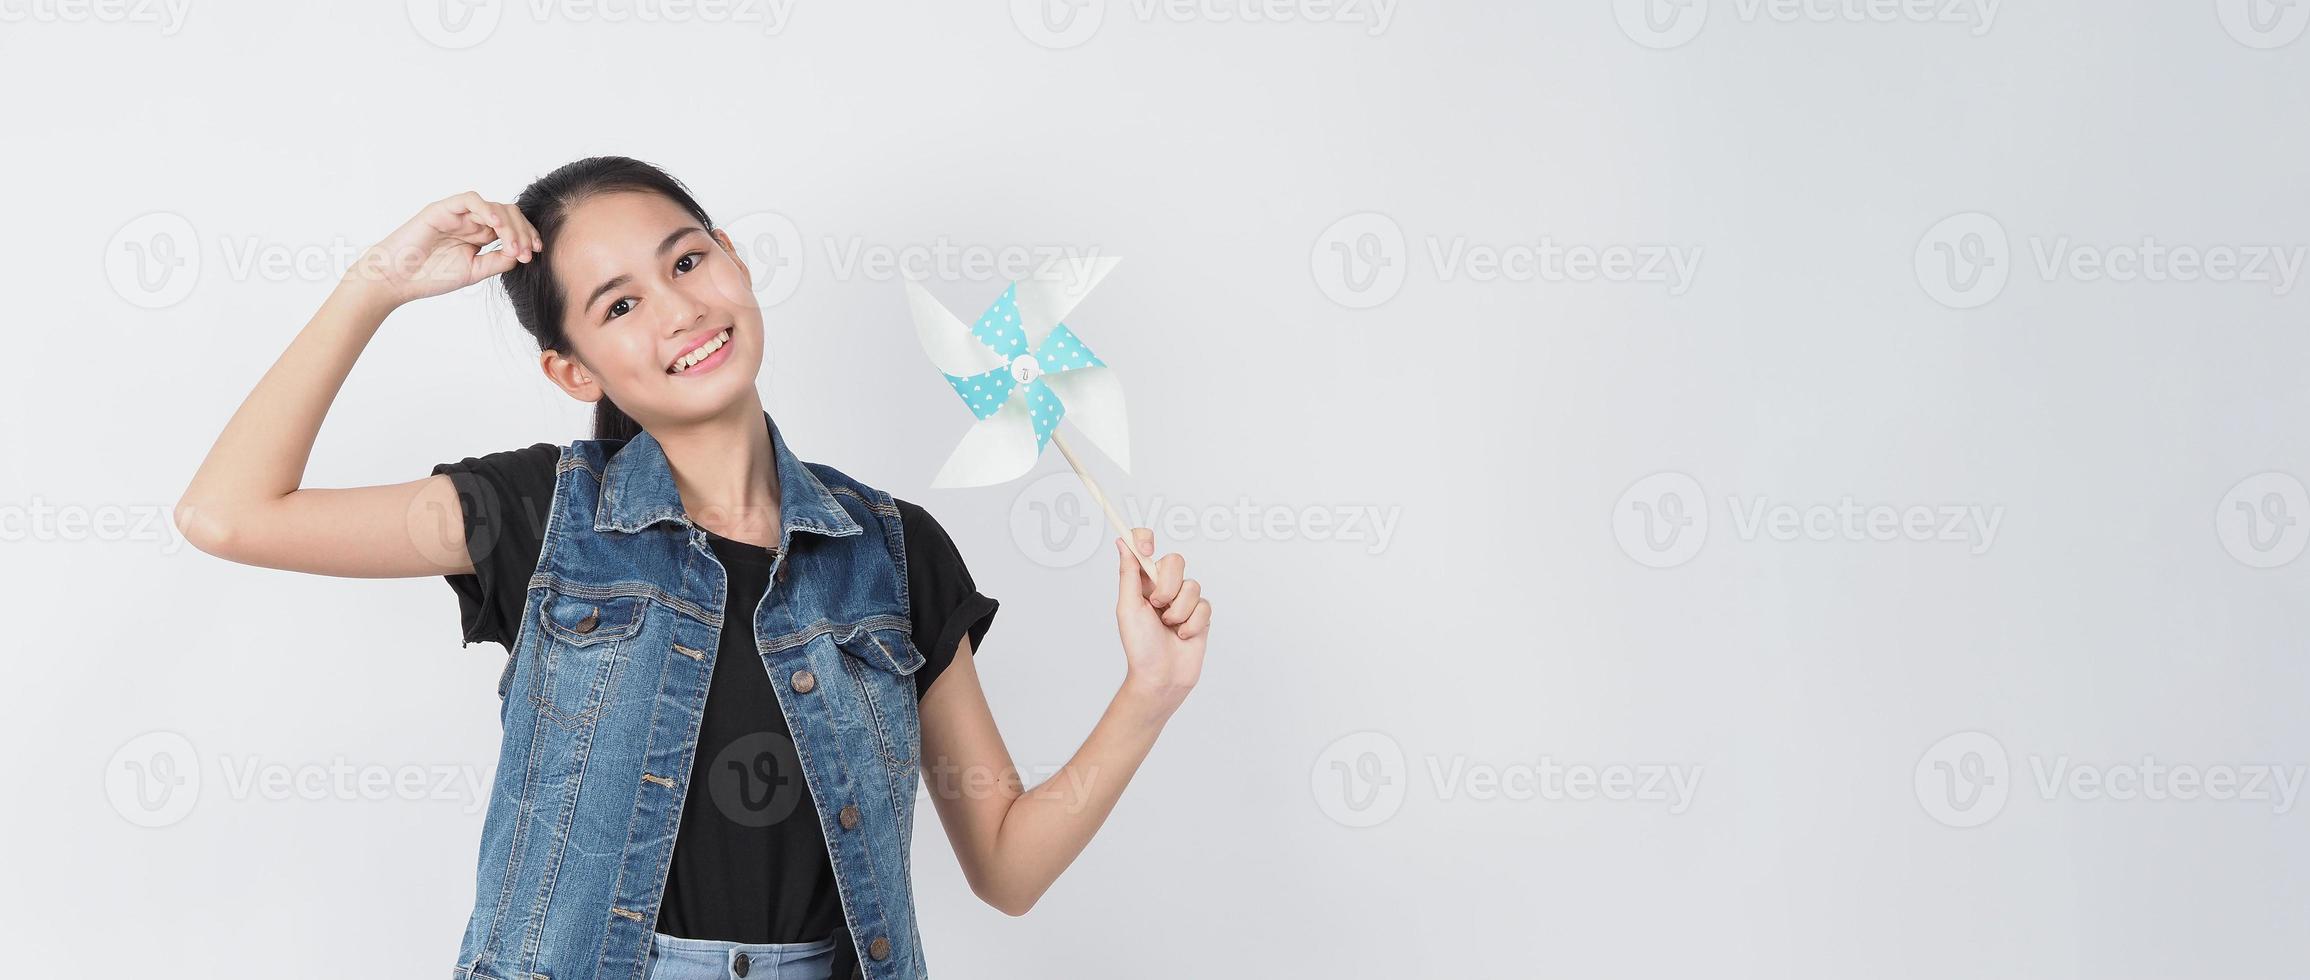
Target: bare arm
[247,502]
[1013,843]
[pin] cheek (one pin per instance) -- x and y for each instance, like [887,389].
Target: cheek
[631,356]
[732,286]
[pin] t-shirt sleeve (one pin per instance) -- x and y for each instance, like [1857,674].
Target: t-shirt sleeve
[507,497]
[946,603]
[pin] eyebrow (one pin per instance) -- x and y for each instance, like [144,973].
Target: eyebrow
[663,247]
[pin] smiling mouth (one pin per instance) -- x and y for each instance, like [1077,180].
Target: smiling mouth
[699,353]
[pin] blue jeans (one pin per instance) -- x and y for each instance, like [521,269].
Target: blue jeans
[676,958]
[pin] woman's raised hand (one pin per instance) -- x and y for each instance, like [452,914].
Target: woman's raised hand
[1164,623]
[440,250]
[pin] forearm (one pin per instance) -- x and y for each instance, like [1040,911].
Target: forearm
[262,452]
[1046,827]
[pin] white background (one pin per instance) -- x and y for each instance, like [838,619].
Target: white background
[1871,715]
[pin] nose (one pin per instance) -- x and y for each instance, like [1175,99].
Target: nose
[683,311]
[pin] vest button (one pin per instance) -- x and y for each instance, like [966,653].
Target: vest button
[850,817]
[879,948]
[586,625]
[804,681]
[738,965]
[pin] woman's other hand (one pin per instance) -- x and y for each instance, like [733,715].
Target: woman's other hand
[440,250]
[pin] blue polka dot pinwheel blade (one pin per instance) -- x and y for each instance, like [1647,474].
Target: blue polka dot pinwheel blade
[985,392]
[1044,407]
[1061,350]
[998,327]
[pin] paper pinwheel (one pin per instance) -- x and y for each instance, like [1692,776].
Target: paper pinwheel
[1021,371]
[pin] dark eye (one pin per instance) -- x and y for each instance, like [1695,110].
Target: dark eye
[688,261]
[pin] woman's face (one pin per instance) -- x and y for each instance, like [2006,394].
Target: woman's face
[647,289]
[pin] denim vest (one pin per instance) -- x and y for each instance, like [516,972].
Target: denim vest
[603,695]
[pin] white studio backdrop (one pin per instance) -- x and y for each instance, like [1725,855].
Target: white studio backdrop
[1691,488]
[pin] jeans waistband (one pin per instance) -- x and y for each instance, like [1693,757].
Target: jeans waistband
[680,958]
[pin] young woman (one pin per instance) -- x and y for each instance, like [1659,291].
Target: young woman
[728,668]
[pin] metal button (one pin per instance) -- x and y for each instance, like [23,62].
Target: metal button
[804,681]
[850,817]
[586,625]
[738,965]
[879,948]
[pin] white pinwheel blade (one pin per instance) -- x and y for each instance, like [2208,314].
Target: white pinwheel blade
[946,339]
[1094,400]
[1045,300]
[997,448]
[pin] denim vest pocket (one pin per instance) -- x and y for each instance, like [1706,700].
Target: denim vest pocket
[881,662]
[579,652]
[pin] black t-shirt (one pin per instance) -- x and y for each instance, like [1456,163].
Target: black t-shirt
[750,862]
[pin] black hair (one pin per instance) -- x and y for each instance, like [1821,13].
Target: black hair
[533,289]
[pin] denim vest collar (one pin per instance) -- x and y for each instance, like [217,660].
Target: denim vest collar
[638,491]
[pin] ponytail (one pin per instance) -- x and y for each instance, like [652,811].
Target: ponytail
[611,422]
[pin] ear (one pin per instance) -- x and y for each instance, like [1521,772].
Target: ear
[570,375]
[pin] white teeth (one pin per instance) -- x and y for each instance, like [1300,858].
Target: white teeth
[692,358]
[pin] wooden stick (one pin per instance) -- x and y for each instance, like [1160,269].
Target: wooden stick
[1130,540]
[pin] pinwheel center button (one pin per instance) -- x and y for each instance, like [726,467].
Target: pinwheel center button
[1025,368]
